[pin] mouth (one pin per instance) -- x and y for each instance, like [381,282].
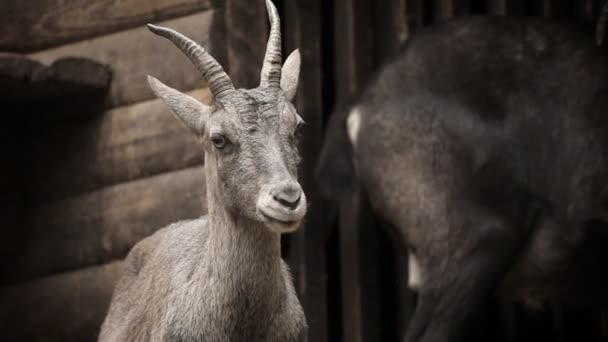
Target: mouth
[271,218]
[280,225]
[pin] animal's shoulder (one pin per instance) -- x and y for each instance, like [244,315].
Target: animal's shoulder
[167,244]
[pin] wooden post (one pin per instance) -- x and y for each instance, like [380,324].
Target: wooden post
[462,7]
[415,15]
[246,37]
[443,9]
[497,7]
[302,22]
[353,67]
[390,29]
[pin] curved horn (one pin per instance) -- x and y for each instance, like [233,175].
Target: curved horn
[271,70]
[219,82]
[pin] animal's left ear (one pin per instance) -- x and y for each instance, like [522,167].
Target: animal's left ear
[290,75]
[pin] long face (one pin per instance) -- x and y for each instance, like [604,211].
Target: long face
[252,140]
[250,137]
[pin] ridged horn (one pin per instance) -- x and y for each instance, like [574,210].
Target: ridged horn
[271,69]
[219,82]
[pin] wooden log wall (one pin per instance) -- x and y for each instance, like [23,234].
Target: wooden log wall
[88,181]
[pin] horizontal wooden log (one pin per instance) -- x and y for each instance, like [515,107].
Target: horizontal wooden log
[135,53]
[27,84]
[103,225]
[64,307]
[33,25]
[121,145]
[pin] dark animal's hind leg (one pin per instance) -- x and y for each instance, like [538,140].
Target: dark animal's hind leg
[457,284]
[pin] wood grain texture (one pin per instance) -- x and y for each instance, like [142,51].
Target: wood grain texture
[103,225]
[135,53]
[33,25]
[64,307]
[120,145]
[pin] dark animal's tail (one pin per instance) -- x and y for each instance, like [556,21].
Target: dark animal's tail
[602,20]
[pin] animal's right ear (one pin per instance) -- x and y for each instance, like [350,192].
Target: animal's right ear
[188,110]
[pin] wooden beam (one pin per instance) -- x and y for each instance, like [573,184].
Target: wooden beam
[415,11]
[559,9]
[461,7]
[64,307]
[353,44]
[443,9]
[120,145]
[246,37]
[103,225]
[135,53]
[496,7]
[391,28]
[29,26]
[302,20]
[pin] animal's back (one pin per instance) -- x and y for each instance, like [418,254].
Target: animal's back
[502,112]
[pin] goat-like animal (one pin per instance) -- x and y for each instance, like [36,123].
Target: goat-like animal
[484,142]
[221,277]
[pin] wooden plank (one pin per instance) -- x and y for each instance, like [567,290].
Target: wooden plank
[461,7]
[415,11]
[585,12]
[246,37]
[103,225]
[442,9]
[120,145]
[11,187]
[391,28]
[353,60]
[516,7]
[496,7]
[303,25]
[64,307]
[34,25]
[352,315]
[135,53]
[556,8]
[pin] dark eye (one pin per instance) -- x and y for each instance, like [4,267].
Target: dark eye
[218,140]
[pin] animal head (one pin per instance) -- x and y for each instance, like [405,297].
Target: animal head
[250,136]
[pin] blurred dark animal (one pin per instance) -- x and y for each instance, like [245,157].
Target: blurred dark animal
[485,144]
[221,277]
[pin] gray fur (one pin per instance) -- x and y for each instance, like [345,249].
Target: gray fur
[484,144]
[221,277]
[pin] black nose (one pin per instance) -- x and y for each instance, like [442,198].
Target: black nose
[288,197]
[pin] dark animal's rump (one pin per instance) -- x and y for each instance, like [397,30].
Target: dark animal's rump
[485,142]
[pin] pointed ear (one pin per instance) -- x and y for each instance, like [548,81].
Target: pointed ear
[187,109]
[290,75]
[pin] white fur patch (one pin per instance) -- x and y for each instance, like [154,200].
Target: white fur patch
[414,272]
[353,124]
